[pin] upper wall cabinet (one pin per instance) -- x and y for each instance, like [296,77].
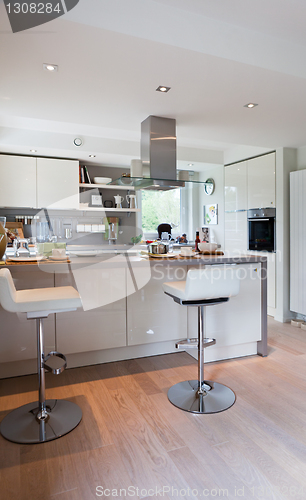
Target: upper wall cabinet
[57,183]
[261,181]
[18,181]
[38,182]
[235,181]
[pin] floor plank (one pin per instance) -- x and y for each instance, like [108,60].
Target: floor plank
[131,438]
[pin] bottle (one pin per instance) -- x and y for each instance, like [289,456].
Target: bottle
[197,241]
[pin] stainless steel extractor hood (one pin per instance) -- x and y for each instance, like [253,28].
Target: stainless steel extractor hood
[158,153]
[158,156]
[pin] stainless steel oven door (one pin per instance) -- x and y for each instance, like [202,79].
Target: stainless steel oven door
[261,230]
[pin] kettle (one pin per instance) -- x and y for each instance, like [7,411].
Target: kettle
[118,201]
[131,199]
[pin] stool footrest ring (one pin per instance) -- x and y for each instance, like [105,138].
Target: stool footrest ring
[194,342]
[56,370]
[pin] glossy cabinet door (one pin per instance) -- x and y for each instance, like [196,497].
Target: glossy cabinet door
[235,187]
[102,325]
[57,183]
[236,232]
[261,181]
[235,322]
[153,316]
[17,181]
[18,334]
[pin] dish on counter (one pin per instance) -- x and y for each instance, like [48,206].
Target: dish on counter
[58,258]
[185,255]
[162,255]
[26,259]
[84,253]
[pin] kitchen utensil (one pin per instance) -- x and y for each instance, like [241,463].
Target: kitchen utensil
[68,233]
[131,199]
[59,252]
[162,255]
[102,180]
[207,247]
[164,227]
[166,236]
[158,247]
[118,200]
[21,247]
[42,231]
[3,241]
[3,221]
[25,258]
[187,252]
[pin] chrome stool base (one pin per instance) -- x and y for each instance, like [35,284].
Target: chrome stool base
[22,426]
[215,398]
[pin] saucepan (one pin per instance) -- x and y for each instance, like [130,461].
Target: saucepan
[158,247]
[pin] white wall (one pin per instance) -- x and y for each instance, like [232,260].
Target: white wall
[240,153]
[301,158]
[217,173]
[286,162]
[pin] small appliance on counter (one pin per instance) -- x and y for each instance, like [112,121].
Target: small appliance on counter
[111,229]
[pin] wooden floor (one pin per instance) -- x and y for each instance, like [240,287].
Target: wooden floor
[131,438]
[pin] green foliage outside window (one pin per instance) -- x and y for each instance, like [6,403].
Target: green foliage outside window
[160,206]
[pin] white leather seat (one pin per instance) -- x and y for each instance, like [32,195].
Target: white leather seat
[47,300]
[203,287]
[44,420]
[204,284]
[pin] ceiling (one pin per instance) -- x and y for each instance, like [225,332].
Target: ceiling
[215,56]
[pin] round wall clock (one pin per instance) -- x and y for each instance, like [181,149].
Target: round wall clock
[209,186]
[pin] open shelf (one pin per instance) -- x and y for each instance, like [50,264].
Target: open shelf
[107,186]
[103,209]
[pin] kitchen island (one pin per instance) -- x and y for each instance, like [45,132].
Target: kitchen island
[126,314]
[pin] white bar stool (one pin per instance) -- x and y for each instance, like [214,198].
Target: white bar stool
[203,287]
[40,421]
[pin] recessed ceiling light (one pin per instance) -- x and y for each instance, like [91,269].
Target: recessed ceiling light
[77,141]
[190,164]
[162,88]
[50,67]
[250,105]
[33,150]
[92,156]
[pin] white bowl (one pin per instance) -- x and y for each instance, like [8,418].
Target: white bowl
[102,180]
[207,247]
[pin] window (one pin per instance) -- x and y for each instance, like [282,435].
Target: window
[161,206]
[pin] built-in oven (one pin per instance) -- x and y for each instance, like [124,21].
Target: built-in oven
[261,223]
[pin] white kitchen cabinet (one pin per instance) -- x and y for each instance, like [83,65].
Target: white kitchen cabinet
[99,326]
[18,181]
[261,181]
[57,183]
[39,182]
[18,334]
[236,232]
[236,322]
[271,278]
[153,316]
[235,182]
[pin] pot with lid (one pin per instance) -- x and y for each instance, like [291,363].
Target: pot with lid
[158,247]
